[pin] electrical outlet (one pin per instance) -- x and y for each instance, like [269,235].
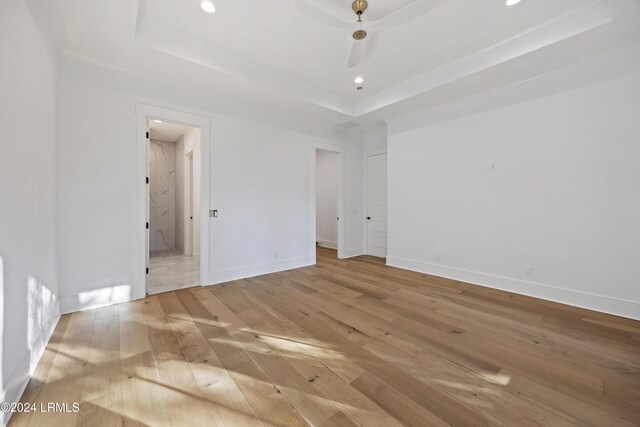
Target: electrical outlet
[528,270]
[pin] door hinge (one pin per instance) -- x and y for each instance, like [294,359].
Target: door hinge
[147,180]
[147,270]
[147,226]
[147,135]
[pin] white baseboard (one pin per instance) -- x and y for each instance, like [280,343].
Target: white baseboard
[327,244]
[222,276]
[72,305]
[21,376]
[618,307]
[350,253]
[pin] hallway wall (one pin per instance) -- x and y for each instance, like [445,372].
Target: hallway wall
[327,182]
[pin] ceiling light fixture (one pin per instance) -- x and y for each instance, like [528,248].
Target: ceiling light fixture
[158,121]
[358,80]
[512,2]
[208,6]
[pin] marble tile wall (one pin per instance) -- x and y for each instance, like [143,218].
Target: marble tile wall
[162,197]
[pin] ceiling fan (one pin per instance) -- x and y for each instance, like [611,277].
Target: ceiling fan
[359,36]
[359,7]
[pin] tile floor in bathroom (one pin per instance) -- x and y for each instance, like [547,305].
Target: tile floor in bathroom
[168,272]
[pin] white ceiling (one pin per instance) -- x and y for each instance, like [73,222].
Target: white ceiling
[164,131]
[292,54]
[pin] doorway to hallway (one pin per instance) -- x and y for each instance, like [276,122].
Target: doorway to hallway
[327,198]
[173,190]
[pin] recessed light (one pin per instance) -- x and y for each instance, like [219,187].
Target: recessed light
[158,121]
[512,2]
[208,6]
[359,80]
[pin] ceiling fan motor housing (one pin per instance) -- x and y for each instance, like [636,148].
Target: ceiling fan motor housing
[359,6]
[359,34]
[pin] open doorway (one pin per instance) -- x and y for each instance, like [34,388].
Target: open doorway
[328,182]
[173,194]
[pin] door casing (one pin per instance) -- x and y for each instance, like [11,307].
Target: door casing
[144,113]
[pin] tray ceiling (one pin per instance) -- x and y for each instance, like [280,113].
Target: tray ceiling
[292,53]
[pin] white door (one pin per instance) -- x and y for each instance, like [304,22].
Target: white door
[192,234]
[147,204]
[189,205]
[377,205]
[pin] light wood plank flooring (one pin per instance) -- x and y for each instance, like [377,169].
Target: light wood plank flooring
[346,342]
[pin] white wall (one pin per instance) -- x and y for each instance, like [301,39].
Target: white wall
[260,181]
[564,197]
[375,140]
[327,187]
[28,205]
[354,198]
[97,175]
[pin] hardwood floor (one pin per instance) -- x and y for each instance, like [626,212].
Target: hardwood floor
[346,342]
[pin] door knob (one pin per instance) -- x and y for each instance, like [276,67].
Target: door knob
[369,218]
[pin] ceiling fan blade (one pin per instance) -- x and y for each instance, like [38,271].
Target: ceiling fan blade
[356,53]
[319,15]
[403,15]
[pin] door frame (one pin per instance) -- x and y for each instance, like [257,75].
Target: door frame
[145,112]
[317,145]
[367,154]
